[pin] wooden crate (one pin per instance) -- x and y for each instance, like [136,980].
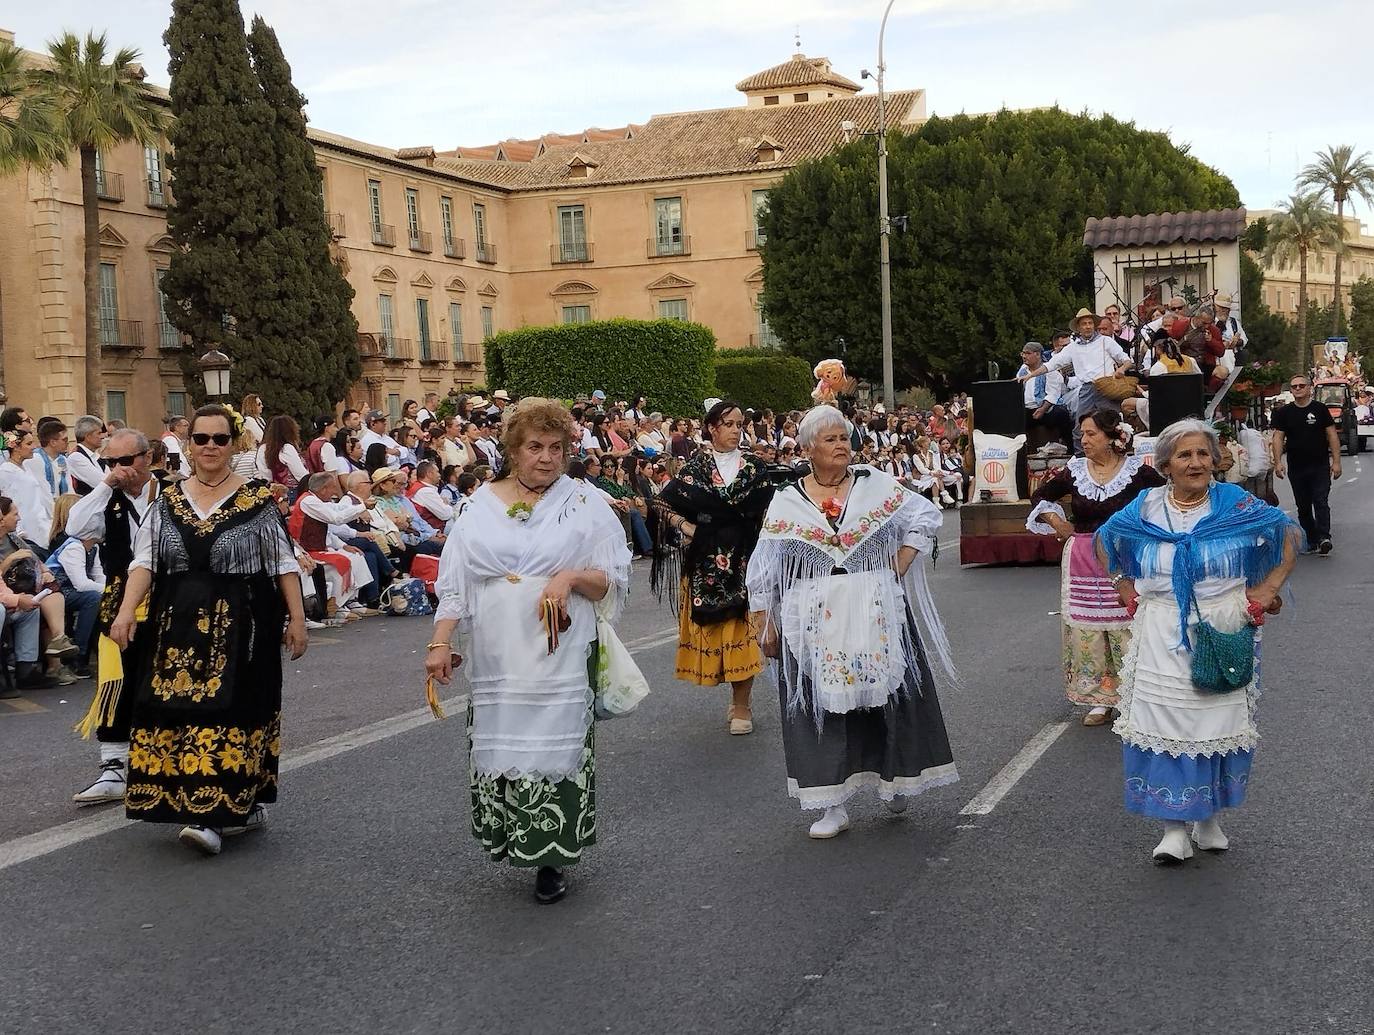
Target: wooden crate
[979,519]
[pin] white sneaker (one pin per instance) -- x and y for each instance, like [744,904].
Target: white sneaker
[897,805]
[946,499]
[835,821]
[310,623]
[1175,847]
[109,785]
[1209,836]
[256,820]
[203,839]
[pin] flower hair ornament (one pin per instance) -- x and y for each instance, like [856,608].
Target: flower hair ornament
[11,439]
[237,419]
[1124,434]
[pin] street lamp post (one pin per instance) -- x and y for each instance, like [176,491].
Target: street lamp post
[214,368]
[885,227]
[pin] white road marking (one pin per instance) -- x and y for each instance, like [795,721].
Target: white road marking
[45,842]
[998,787]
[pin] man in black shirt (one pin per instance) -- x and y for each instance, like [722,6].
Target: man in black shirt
[1306,430]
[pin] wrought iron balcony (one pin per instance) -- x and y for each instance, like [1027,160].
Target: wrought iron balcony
[384,234]
[757,238]
[657,248]
[765,341]
[434,352]
[336,224]
[121,334]
[486,252]
[455,248]
[109,186]
[421,241]
[397,350]
[159,193]
[570,251]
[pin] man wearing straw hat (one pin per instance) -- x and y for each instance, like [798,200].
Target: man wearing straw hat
[1091,355]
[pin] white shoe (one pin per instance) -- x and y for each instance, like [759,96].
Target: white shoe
[256,820]
[897,805]
[203,839]
[310,623]
[1175,847]
[835,821]
[946,499]
[1209,836]
[109,785]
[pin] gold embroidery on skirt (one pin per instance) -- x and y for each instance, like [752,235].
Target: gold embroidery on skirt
[184,671]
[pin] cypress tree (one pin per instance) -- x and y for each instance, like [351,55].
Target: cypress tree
[237,281]
[328,320]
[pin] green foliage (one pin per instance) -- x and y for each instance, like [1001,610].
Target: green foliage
[764,379]
[1267,331]
[667,360]
[30,131]
[1303,226]
[1362,318]
[993,253]
[1255,237]
[326,318]
[238,280]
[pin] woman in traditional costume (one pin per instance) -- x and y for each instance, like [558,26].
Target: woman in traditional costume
[206,727]
[840,599]
[1096,627]
[532,540]
[716,504]
[1200,563]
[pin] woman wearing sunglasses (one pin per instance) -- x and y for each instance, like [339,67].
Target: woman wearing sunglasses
[220,579]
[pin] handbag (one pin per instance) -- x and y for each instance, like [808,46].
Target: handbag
[20,572]
[406,597]
[1222,662]
[620,685]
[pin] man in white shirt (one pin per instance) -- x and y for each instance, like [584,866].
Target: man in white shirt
[427,408]
[1043,393]
[651,435]
[452,450]
[322,510]
[486,450]
[48,465]
[376,432]
[174,439]
[1091,355]
[83,462]
[1232,333]
[428,498]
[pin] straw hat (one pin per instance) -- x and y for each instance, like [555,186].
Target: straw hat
[1085,311]
[383,474]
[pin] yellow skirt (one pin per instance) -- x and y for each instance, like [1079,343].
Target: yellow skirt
[724,652]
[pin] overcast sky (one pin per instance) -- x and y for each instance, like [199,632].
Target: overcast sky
[1248,91]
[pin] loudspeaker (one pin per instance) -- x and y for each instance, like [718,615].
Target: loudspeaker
[1173,397]
[999,407]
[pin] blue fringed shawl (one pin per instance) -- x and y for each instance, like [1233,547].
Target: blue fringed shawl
[1242,537]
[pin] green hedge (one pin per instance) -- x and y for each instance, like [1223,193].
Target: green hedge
[667,360]
[764,379]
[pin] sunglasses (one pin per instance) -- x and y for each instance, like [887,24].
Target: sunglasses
[123,461]
[204,438]
[1177,308]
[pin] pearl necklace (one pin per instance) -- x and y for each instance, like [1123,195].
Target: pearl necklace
[1185,507]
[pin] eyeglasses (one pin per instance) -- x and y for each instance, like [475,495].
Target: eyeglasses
[204,438]
[123,461]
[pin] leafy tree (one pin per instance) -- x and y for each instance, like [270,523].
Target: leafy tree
[30,133]
[236,282]
[99,103]
[1268,332]
[764,379]
[327,318]
[1362,317]
[993,249]
[1340,175]
[1303,224]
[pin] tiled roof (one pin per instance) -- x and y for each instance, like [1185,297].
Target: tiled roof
[701,143]
[1161,228]
[409,153]
[799,70]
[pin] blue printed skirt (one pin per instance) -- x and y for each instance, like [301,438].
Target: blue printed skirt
[1187,788]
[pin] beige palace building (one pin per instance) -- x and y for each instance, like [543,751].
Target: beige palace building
[443,248]
[1280,289]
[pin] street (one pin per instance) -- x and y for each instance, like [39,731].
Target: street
[367,907]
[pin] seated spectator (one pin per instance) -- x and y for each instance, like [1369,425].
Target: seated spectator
[408,440]
[652,441]
[279,458]
[370,532]
[624,499]
[320,455]
[48,465]
[83,462]
[30,496]
[314,515]
[417,535]
[375,458]
[244,461]
[952,464]
[374,433]
[78,575]
[348,452]
[1200,338]
[22,580]
[428,500]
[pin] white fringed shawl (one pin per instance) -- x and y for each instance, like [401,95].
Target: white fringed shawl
[845,640]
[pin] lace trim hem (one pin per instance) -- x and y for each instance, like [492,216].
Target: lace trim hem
[1087,488]
[898,787]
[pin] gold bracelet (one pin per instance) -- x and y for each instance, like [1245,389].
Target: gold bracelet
[438,643]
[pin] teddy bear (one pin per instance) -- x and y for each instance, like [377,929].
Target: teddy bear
[831,382]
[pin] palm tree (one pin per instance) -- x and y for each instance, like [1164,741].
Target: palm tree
[29,133]
[100,105]
[1341,175]
[1301,225]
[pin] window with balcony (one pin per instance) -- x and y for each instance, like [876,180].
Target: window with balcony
[672,309]
[446,219]
[116,407]
[109,305]
[757,236]
[488,322]
[572,233]
[167,336]
[382,233]
[486,251]
[413,218]
[766,338]
[422,325]
[455,328]
[109,186]
[668,236]
[387,321]
[152,168]
[577,314]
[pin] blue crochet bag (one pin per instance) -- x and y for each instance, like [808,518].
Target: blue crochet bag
[407,596]
[1222,662]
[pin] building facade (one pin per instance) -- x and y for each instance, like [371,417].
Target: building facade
[442,248]
[1281,279]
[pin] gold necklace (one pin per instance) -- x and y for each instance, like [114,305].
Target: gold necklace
[1186,505]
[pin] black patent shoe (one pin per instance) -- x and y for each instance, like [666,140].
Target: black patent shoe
[549,885]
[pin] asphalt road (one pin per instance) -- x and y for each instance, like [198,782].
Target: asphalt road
[366,907]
